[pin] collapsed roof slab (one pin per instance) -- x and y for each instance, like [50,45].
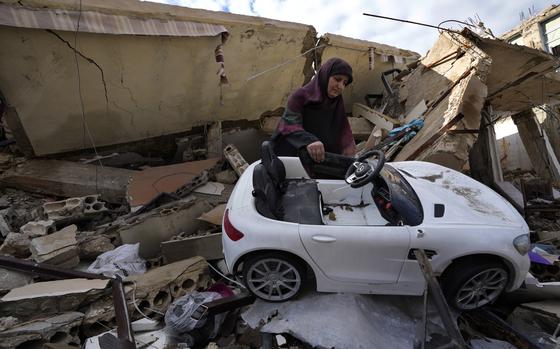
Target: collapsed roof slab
[521,77]
[460,74]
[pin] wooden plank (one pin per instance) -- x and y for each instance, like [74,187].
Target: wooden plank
[69,179]
[376,118]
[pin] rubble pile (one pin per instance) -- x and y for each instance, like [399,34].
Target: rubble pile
[101,248]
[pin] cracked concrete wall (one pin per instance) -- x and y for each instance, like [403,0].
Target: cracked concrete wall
[530,30]
[153,85]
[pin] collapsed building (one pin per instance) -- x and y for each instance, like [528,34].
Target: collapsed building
[130,122]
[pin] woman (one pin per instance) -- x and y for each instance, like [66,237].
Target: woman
[315,117]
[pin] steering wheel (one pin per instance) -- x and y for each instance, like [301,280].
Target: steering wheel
[361,173]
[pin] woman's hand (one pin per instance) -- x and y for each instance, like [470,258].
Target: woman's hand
[317,151]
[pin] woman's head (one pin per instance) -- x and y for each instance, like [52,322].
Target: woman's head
[334,76]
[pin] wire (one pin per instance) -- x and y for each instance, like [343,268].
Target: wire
[85,127]
[291,60]
[225,277]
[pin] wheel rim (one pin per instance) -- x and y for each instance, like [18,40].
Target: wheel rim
[273,279]
[481,289]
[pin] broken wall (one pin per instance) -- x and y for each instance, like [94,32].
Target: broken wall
[136,87]
[367,76]
[450,80]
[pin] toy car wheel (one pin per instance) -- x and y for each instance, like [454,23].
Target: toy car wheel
[470,286]
[273,277]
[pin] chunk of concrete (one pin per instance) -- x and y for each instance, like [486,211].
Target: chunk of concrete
[60,329]
[5,219]
[8,322]
[92,245]
[16,245]
[226,176]
[38,228]
[208,246]
[51,297]
[10,279]
[74,208]
[59,248]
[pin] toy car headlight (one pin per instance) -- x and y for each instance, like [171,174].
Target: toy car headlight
[522,244]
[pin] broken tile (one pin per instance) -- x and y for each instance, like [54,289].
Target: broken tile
[38,228]
[60,329]
[58,248]
[147,184]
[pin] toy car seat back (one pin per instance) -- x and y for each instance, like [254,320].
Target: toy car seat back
[273,165]
[266,194]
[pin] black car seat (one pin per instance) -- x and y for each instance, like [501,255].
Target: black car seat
[296,201]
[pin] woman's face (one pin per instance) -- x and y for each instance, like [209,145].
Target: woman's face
[336,85]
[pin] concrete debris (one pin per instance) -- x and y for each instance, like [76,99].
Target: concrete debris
[537,320]
[38,228]
[10,279]
[74,208]
[211,188]
[162,187]
[354,321]
[214,216]
[226,177]
[161,224]
[5,219]
[147,184]
[8,322]
[68,179]
[59,329]
[58,248]
[17,245]
[235,159]
[91,245]
[51,297]
[149,294]
[209,247]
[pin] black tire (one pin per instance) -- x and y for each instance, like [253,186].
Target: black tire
[276,286]
[487,279]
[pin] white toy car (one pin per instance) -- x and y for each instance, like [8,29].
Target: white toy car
[359,234]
